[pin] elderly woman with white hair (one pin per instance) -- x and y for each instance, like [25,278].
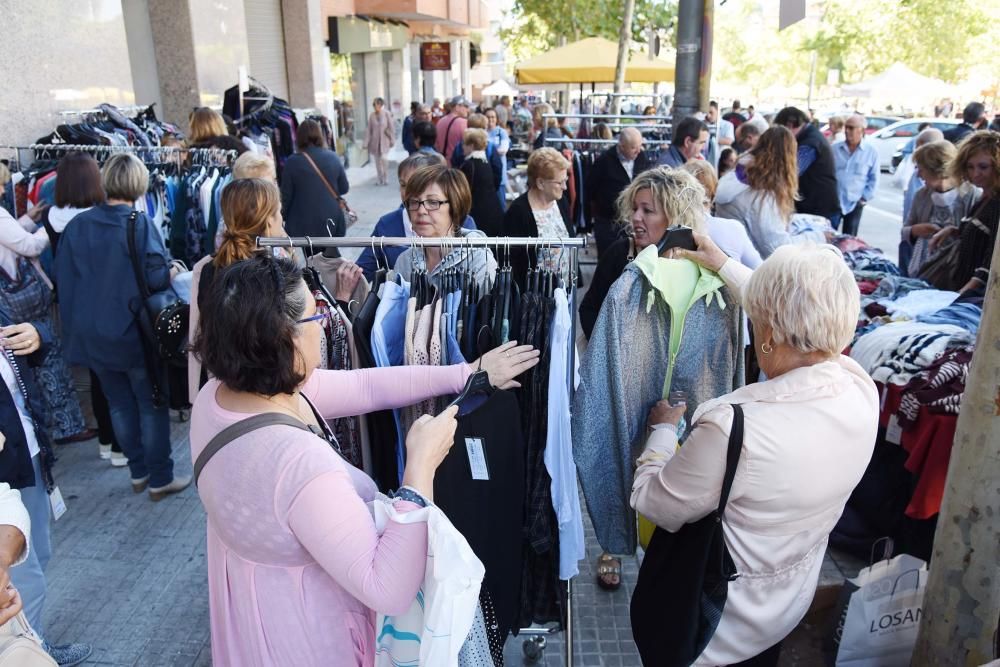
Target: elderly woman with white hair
[809,432]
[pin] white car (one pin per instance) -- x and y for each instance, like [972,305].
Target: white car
[891,138]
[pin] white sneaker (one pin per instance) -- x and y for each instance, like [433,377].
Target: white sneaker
[118,459]
[105,451]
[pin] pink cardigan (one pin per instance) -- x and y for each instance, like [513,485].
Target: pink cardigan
[295,567]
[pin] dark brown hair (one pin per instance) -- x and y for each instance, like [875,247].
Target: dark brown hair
[309,134]
[246,334]
[454,185]
[248,205]
[78,181]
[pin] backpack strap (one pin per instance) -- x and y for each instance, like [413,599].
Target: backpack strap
[239,429]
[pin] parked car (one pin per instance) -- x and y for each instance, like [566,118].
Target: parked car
[875,123]
[899,138]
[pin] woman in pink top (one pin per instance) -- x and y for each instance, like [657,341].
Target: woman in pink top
[296,569]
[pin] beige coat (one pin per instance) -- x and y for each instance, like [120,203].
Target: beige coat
[808,437]
[380,135]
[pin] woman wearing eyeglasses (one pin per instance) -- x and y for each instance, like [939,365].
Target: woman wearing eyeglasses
[540,212]
[296,567]
[438,200]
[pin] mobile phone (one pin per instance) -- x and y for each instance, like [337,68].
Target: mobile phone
[677,237]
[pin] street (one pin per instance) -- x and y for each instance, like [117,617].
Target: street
[882,218]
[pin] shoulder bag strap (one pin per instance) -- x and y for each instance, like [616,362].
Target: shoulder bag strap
[732,457]
[329,187]
[447,131]
[133,255]
[241,428]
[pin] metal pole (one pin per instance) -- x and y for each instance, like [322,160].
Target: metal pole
[417,241]
[687,79]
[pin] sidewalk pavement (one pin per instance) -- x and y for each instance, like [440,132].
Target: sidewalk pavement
[128,575]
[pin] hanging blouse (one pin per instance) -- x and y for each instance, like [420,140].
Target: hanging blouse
[551,226]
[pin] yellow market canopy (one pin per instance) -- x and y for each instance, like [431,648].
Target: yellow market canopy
[591,60]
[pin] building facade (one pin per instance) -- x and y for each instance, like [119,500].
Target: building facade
[180,54]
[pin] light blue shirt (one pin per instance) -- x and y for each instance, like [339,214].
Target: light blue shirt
[559,448]
[857,174]
[388,336]
[912,186]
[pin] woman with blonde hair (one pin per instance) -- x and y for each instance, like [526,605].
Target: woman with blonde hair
[545,127]
[486,210]
[251,207]
[208,130]
[761,191]
[541,212]
[655,201]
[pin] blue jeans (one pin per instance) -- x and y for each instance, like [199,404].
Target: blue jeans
[29,577]
[142,430]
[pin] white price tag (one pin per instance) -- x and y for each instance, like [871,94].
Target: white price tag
[477,459]
[894,432]
[57,502]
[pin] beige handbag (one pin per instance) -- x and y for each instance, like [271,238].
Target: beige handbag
[20,646]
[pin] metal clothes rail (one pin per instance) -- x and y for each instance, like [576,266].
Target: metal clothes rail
[163,153]
[499,242]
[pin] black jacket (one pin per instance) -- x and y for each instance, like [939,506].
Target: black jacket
[223,142]
[306,203]
[606,180]
[610,267]
[15,459]
[520,221]
[818,185]
[486,209]
[959,132]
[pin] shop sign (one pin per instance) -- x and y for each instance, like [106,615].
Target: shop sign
[435,56]
[380,36]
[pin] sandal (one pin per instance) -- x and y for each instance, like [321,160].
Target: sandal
[609,568]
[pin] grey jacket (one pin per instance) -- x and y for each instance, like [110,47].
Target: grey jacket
[622,374]
[480,260]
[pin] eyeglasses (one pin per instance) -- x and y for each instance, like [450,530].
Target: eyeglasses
[563,183]
[414,205]
[321,313]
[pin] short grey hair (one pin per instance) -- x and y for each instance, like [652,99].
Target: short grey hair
[253,165]
[124,177]
[807,296]
[4,174]
[928,135]
[418,160]
[629,134]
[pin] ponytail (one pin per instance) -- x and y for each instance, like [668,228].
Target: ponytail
[248,206]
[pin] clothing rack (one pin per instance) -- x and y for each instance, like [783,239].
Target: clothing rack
[489,242]
[604,115]
[84,112]
[162,153]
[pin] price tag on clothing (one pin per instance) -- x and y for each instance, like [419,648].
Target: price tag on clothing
[885,395]
[477,459]
[57,502]
[894,432]
[3,441]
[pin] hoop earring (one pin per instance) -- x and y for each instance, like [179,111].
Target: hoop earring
[766,348]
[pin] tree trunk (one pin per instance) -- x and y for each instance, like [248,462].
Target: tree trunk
[962,603]
[624,36]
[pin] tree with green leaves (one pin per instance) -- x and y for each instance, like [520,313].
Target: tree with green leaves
[535,26]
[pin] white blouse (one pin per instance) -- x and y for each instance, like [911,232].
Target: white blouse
[808,437]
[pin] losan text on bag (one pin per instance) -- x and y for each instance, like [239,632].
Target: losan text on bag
[896,619]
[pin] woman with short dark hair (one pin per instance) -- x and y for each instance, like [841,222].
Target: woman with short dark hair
[289,529]
[312,183]
[78,189]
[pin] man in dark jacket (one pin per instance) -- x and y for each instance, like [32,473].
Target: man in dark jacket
[687,142]
[26,464]
[611,174]
[973,117]
[817,169]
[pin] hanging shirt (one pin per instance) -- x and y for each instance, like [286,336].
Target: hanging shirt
[559,444]
[552,226]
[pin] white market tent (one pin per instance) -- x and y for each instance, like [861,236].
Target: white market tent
[899,81]
[499,88]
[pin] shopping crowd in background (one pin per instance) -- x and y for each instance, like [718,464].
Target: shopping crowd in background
[761,196]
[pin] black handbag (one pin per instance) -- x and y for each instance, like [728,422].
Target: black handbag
[163,317]
[684,580]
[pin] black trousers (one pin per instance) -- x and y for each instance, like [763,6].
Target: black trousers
[99,403]
[852,220]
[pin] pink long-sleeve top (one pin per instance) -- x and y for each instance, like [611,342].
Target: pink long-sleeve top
[296,569]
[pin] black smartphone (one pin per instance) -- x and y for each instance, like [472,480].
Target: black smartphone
[677,237]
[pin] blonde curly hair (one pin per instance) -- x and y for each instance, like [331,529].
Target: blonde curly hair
[675,192]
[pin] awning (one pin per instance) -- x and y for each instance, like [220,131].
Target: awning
[591,60]
[499,87]
[897,81]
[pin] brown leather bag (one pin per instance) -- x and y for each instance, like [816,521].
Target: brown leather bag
[349,215]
